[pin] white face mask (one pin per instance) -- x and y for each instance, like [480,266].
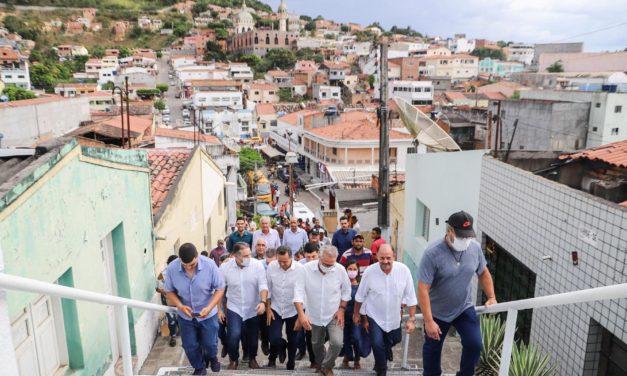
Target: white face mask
[461,244]
[246,261]
[325,269]
[352,274]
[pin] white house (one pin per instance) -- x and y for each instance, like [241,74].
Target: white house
[415,92]
[225,122]
[18,76]
[322,92]
[207,99]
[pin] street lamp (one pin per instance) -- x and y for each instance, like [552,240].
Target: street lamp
[291,158]
[124,92]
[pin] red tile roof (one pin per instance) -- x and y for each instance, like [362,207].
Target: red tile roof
[614,154]
[333,65]
[264,86]
[30,102]
[278,73]
[186,135]
[453,95]
[165,170]
[265,109]
[8,54]
[362,130]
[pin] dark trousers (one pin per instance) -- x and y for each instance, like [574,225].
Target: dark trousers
[222,335]
[200,340]
[278,343]
[467,325]
[351,348]
[263,329]
[235,326]
[382,342]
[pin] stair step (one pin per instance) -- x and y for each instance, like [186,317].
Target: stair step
[184,371]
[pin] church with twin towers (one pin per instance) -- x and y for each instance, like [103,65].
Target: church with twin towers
[248,39]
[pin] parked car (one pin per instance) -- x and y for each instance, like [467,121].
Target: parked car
[265,209]
[303,212]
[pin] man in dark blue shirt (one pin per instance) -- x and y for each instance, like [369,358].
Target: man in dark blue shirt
[343,238]
[240,235]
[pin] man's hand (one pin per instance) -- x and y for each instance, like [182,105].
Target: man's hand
[490,302]
[339,318]
[433,330]
[356,318]
[205,312]
[269,317]
[305,322]
[365,324]
[187,311]
[221,317]
[261,308]
[410,326]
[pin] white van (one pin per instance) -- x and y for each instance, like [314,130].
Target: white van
[303,212]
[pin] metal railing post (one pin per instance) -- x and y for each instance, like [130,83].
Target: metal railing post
[125,338]
[508,342]
[405,350]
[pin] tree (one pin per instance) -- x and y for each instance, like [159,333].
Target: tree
[371,81]
[17,93]
[318,58]
[199,7]
[159,105]
[97,52]
[136,32]
[221,34]
[247,159]
[109,85]
[162,88]
[492,53]
[311,26]
[285,94]
[147,93]
[124,52]
[13,23]
[41,76]
[501,43]
[281,58]
[556,67]
[345,29]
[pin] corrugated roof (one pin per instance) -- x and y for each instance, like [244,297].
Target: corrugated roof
[186,135]
[165,169]
[614,154]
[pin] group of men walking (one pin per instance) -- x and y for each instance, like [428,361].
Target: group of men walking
[260,285]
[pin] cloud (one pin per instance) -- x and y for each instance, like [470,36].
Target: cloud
[530,21]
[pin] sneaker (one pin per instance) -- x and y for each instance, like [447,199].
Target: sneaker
[172,342]
[232,365]
[283,354]
[252,364]
[215,364]
[200,371]
[271,363]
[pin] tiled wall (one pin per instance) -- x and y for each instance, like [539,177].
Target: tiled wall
[532,217]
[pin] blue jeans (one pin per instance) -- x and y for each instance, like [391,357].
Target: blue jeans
[351,349]
[467,325]
[235,324]
[382,342]
[222,335]
[171,317]
[200,340]
[277,343]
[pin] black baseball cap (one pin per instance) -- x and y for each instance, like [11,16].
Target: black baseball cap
[314,231]
[358,236]
[462,222]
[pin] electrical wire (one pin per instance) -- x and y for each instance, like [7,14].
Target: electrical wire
[594,31]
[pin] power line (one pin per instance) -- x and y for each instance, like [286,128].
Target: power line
[594,31]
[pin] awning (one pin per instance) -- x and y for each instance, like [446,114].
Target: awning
[271,152]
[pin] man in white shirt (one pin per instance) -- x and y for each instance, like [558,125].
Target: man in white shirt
[294,237]
[383,289]
[269,234]
[282,275]
[247,293]
[324,289]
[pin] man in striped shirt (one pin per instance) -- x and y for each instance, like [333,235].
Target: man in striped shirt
[362,255]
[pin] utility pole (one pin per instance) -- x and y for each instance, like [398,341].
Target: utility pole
[488,138]
[128,114]
[384,145]
[255,190]
[291,179]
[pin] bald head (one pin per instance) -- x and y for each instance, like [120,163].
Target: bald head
[385,255]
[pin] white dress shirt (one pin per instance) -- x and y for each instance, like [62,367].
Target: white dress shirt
[382,294]
[321,293]
[244,286]
[281,287]
[273,241]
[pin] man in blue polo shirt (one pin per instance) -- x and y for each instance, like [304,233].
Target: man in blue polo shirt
[343,238]
[194,286]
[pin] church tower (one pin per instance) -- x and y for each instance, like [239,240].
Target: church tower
[282,16]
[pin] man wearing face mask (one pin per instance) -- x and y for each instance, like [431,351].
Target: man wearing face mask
[325,289]
[247,294]
[445,293]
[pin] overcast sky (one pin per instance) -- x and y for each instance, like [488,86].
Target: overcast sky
[531,21]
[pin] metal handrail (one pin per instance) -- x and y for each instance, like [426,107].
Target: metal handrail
[512,308]
[121,305]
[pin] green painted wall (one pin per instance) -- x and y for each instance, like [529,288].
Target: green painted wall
[60,227]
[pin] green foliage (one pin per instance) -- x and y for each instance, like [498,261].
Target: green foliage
[345,29]
[405,31]
[98,52]
[221,34]
[281,58]
[371,79]
[181,29]
[136,32]
[492,334]
[492,53]
[18,25]
[305,18]
[162,88]
[45,75]
[363,36]
[285,94]
[528,360]
[516,95]
[501,43]
[159,105]
[147,93]
[310,26]
[17,93]
[146,5]
[318,58]
[124,52]
[556,67]
[109,85]
[247,159]
[200,6]
[377,25]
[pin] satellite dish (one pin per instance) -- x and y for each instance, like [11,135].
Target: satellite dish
[424,130]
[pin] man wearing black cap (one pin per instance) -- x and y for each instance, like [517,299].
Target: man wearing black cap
[445,293]
[195,286]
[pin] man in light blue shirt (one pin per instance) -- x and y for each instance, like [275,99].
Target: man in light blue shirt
[194,286]
[294,237]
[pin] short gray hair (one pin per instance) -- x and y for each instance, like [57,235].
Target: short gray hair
[265,217]
[328,250]
[270,253]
